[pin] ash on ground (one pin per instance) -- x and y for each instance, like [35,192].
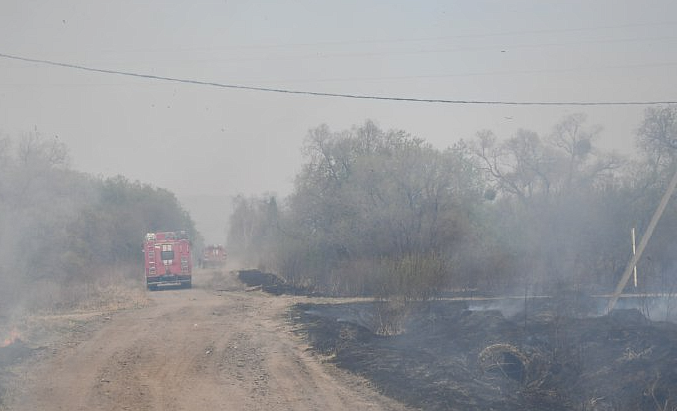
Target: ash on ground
[441,355]
[10,354]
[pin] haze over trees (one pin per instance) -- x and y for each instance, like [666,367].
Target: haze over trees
[63,233]
[381,212]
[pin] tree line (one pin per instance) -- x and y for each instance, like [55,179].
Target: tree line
[62,230]
[384,213]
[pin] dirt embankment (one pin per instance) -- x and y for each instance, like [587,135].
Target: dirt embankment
[197,349]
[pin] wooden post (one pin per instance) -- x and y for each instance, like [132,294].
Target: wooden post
[642,244]
[634,252]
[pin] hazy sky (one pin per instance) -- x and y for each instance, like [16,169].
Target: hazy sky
[206,142]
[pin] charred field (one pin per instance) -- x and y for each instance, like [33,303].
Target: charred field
[447,354]
[450,357]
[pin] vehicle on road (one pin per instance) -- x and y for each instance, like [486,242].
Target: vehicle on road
[167,259]
[213,256]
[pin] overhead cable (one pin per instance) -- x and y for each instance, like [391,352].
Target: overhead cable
[339,95]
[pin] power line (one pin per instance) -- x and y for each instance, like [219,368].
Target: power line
[339,95]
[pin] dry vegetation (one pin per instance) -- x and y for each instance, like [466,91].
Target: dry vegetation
[385,214]
[69,241]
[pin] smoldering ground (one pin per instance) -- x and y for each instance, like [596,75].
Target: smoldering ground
[491,353]
[451,357]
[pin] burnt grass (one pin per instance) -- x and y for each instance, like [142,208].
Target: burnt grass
[11,354]
[447,356]
[450,357]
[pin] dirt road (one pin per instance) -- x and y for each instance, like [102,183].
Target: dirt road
[198,349]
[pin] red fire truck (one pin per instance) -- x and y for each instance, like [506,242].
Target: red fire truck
[213,256]
[168,260]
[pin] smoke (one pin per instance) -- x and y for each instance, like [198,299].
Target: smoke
[509,307]
[656,307]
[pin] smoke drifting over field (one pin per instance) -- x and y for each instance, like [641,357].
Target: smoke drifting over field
[65,236]
[383,213]
[195,140]
[528,185]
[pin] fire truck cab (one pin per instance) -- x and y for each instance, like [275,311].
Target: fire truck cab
[167,259]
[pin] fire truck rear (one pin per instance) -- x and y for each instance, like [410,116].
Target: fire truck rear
[213,256]
[168,259]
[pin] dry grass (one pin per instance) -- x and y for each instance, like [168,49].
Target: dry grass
[112,297]
[109,291]
[54,308]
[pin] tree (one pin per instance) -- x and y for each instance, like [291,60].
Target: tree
[375,211]
[61,229]
[253,227]
[657,135]
[551,192]
[521,165]
[656,140]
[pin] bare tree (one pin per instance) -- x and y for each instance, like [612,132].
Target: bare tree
[657,135]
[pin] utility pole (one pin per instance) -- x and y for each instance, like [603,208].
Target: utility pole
[634,251]
[645,239]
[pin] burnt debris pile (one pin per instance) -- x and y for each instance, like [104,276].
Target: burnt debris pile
[450,357]
[271,283]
